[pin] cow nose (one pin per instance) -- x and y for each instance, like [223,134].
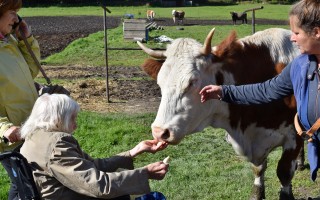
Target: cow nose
[159,133]
[166,134]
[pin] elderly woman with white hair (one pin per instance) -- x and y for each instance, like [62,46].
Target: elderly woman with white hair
[62,170]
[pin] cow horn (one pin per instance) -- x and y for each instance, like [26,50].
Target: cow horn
[206,50]
[150,52]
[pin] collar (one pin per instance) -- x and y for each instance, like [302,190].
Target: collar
[312,67]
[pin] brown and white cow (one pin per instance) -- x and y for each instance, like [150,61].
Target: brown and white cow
[255,130]
[150,15]
[178,16]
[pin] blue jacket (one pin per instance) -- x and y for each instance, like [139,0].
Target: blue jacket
[294,79]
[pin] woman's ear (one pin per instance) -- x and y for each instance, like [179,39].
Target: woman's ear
[317,32]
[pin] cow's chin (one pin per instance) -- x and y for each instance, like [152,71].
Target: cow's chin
[170,141]
[173,142]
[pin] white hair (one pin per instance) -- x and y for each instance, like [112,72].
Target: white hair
[51,113]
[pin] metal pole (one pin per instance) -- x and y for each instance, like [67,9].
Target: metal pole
[253,22]
[253,17]
[105,9]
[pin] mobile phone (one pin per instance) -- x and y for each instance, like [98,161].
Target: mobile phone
[17,23]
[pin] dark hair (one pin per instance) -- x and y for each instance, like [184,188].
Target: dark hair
[308,14]
[6,5]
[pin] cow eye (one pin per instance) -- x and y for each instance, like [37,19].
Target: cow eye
[192,84]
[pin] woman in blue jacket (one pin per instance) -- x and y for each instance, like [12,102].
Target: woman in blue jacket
[301,77]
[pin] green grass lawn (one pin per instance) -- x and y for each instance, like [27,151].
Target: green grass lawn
[270,11]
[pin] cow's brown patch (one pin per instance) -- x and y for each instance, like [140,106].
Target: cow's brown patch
[250,63]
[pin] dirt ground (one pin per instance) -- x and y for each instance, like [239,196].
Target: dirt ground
[88,84]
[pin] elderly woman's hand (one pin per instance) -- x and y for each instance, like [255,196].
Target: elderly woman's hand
[151,146]
[157,170]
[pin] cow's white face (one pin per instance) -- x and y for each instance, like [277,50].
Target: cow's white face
[181,77]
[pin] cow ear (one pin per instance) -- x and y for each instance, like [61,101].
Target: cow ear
[152,67]
[226,45]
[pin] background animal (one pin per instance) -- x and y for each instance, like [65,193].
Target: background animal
[178,16]
[150,15]
[128,16]
[239,16]
[186,66]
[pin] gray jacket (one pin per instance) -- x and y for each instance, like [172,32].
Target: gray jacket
[63,171]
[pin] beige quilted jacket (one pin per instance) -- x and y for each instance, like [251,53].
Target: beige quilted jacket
[63,171]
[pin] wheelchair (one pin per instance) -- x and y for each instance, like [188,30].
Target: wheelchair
[22,172]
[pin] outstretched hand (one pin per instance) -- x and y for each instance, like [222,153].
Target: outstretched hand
[151,146]
[210,92]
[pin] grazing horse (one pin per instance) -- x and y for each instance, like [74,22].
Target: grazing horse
[187,66]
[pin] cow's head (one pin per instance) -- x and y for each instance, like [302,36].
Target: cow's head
[183,69]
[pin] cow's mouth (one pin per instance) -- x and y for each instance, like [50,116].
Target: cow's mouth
[165,135]
[172,142]
[169,142]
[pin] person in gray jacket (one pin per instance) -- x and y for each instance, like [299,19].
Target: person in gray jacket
[62,170]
